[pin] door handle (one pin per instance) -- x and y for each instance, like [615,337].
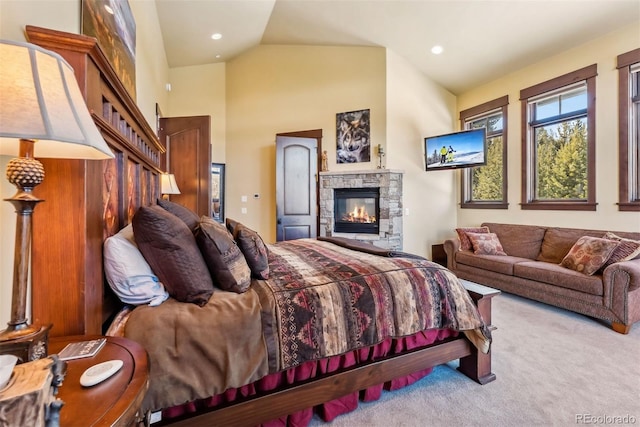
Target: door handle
[279,221]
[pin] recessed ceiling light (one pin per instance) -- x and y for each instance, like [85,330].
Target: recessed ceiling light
[437,50]
[217,56]
[216,36]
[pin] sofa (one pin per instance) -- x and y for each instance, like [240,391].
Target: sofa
[533,264]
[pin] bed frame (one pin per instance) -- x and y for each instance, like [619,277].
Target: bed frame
[68,280]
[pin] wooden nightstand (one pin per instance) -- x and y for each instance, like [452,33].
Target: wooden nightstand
[115,401]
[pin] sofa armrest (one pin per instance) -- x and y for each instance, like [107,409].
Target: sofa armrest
[451,246]
[623,273]
[620,281]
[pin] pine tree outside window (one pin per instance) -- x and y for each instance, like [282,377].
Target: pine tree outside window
[629,130]
[559,143]
[485,187]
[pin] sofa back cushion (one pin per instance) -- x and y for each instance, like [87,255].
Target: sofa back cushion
[558,241]
[517,240]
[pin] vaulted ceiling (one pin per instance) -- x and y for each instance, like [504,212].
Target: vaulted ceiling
[481,39]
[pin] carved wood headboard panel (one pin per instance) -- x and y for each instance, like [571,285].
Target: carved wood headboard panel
[87,201]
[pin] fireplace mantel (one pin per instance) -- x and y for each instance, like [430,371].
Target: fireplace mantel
[362,172]
[389,182]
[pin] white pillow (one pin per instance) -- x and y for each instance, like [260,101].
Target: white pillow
[128,273]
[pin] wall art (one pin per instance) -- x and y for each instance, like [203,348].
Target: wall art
[353,137]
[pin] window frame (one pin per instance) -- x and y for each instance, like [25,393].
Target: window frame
[625,62]
[588,75]
[465,182]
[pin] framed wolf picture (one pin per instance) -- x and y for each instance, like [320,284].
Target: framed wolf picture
[353,137]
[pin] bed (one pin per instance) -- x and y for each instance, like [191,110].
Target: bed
[393,312]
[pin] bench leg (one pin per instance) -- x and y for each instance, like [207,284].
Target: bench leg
[477,365]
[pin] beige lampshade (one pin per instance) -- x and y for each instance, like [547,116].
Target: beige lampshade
[40,100]
[168,184]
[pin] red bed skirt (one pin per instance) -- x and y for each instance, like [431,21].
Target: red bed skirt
[328,410]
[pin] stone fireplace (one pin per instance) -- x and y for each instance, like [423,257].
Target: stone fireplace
[362,205]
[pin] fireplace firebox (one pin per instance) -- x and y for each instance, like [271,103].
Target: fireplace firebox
[356,210]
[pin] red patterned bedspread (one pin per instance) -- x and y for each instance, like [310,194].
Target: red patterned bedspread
[320,300]
[326,300]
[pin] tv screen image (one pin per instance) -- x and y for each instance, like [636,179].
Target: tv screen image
[456,150]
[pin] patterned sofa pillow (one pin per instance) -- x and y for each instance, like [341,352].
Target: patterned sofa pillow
[588,254]
[465,243]
[626,250]
[486,244]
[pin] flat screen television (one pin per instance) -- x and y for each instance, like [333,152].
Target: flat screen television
[456,150]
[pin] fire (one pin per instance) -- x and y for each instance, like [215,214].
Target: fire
[360,214]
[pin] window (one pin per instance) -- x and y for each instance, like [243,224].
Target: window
[486,186]
[558,142]
[629,130]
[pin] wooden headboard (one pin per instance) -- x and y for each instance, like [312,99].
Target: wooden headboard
[87,201]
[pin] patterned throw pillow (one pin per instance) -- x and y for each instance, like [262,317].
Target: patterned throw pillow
[626,250]
[588,254]
[485,244]
[223,257]
[254,250]
[465,243]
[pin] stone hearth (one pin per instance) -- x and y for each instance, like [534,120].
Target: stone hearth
[390,217]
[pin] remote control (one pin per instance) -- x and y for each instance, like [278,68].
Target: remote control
[100,372]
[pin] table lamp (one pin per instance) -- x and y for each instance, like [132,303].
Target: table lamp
[40,105]
[168,185]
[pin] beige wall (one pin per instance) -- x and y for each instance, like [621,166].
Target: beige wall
[152,74]
[418,107]
[274,89]
[200,91]
[602,52]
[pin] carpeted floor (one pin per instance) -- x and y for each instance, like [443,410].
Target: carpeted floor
[553,368]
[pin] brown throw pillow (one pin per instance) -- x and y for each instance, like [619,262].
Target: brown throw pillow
[231,225]
[254,250]
[189,217]
[626,250]
[171,250]
[465,243]
[485,244]
[588,254]
[223,257]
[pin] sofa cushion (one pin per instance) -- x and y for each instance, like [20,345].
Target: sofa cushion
[556,275]
[588,254]
[557,242]
[498,263]
[485,244]
[518,240]
[465,243]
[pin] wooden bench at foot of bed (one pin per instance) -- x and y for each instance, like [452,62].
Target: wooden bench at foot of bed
[260,408]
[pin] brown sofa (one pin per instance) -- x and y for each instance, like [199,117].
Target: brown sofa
[531,269]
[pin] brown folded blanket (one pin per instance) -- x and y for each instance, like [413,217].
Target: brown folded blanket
[369,248]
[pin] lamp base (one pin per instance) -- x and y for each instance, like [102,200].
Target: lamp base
[28,344]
